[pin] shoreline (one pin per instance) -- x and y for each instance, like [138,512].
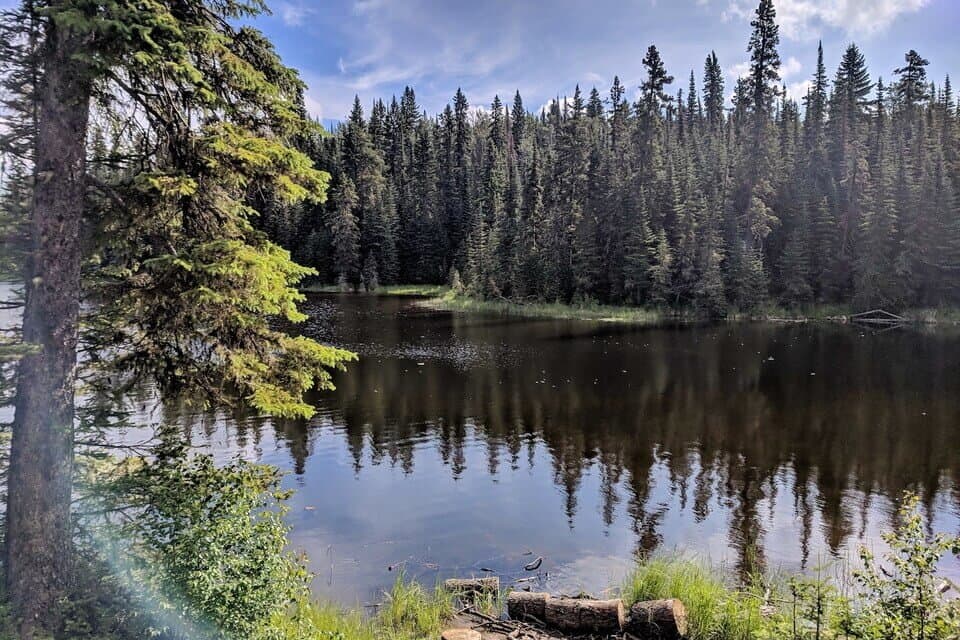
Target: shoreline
[443,298]
[718,602]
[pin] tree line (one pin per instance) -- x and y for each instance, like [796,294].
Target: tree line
[849,195]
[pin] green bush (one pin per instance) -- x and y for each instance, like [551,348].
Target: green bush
[201,549]
[900,597]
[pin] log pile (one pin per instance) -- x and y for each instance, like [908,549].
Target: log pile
[651,620]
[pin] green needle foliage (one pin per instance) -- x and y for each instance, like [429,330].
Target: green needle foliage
[151,136]
[846,195]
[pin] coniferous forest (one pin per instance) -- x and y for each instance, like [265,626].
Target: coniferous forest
[657,195]
[182,425]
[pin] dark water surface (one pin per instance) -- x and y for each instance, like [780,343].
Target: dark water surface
[463,442]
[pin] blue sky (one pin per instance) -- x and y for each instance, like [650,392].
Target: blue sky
[543,48]
[373,48]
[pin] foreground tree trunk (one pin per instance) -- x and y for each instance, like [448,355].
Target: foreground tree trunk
[38,531]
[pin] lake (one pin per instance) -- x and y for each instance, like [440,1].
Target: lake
[464,443]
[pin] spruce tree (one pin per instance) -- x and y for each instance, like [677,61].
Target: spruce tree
[713,97]
[345,235]
[183,265]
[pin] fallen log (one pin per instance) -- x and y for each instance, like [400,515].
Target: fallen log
[460,634]
[473,585]
[523,604]
[657,620]
[574,614]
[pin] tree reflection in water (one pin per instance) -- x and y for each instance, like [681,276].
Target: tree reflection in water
[803,424]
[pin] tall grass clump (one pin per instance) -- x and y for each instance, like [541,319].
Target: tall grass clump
[715,610]
[409,612]
[897,596]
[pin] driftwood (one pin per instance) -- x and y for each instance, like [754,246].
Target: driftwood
[473,585]
[582,615]
[522,605]
[878,316]
[657,620]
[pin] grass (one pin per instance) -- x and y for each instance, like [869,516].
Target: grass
[443,298]
[943,315]
[409,612]
[422,290]
[452,301]
[715,610]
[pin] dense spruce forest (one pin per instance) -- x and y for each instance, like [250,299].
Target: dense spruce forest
[849,195]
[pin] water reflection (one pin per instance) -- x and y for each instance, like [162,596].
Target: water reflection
[458,443]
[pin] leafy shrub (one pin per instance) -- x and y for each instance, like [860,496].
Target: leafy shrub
[201,549]
[900,597]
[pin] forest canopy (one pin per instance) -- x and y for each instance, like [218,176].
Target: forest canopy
[673,199]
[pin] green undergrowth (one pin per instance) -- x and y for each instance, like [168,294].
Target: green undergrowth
[899,596]
[716,609]
[408,611]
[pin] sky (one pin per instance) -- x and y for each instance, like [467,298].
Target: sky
[544,48]
[373,48]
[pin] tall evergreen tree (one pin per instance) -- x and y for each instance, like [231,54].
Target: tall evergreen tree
[713,97]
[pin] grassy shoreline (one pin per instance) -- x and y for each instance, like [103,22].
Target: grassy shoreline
[443,298]
[413,290]
[898,596]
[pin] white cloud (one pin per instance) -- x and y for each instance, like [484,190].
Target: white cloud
[366,6]
[806,19]
[739,70]
[797,90]
[790,67]
[293,14]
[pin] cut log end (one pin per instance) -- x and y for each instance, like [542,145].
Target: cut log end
[658,620]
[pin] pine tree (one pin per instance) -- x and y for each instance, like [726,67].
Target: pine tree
[661,265]
[518,118]
[795,266]
[713,97]
[911,89]
[345,235]
[529,273]
[764,63]
[369,274]
[654,98]
[594,104]
[875,283]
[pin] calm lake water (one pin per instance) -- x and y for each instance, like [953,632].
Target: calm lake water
[460,443]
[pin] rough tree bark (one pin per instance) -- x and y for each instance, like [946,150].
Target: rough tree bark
[581,615]
[38,534]
[523,604]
